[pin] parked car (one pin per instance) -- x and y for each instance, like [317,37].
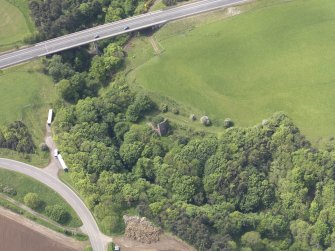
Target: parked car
[56,153]
[126,28]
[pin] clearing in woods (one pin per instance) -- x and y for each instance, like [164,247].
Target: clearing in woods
[274,57]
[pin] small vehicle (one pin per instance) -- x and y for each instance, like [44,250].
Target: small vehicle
[96,36]
[126,28]
[56,153]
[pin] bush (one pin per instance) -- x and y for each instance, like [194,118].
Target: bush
[164,107]
[253,240]
[8,190]
[111,246]
[175,110]
[157,119]
[57,213]
[169,2]
[113,224]
[31,200]
[33,38]
[205,121]
[44,147]
[227,123]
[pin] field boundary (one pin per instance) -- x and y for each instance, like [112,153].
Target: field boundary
[17,210]
[29,210]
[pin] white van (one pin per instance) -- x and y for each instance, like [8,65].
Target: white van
[56,153]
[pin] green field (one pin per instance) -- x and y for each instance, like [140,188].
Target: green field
[275,58]
[15,23]
[26,95]
[24,184]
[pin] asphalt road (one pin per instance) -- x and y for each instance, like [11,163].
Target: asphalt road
[90,227]
[98,241]
[111,30]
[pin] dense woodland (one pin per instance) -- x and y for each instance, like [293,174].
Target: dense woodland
[16,137]
[262,188]
[258,188]
[58,17]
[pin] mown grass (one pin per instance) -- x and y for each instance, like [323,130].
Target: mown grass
[38,159]
[278,57]
[15,23]
[24,184]
[26,95]
[158,5]
[22,5]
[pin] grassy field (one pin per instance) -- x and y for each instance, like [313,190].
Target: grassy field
[26,94]
[275,58]
[15,23]
[22,5]
[24,184]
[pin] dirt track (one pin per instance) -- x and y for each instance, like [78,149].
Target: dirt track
[20,234]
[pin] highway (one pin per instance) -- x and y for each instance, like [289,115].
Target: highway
[111,29]
[49,176]
[90,227]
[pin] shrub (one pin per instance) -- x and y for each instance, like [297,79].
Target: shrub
[57,213]
[8,190]
[205,121]
[44,147]
[164,107]
[113,224]
[228,123]
[175,110]
[31,200]
[169,2]
[157,119]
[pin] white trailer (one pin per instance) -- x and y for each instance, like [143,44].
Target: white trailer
[62,163]
[49,117]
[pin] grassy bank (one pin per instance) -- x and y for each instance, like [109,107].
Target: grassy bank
[24,184]
[15,23]
[16,209]
[22,5]
[278,57]
[26,95]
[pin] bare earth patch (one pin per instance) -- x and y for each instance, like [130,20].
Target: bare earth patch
[165,243]
[19,233]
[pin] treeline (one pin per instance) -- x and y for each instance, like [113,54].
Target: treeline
[58,17]
[16,137]
[172,2]
[81,75]
[263,187]
[258,188]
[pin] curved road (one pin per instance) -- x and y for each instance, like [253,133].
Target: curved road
[90,227]
[48,176]
[111,30]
